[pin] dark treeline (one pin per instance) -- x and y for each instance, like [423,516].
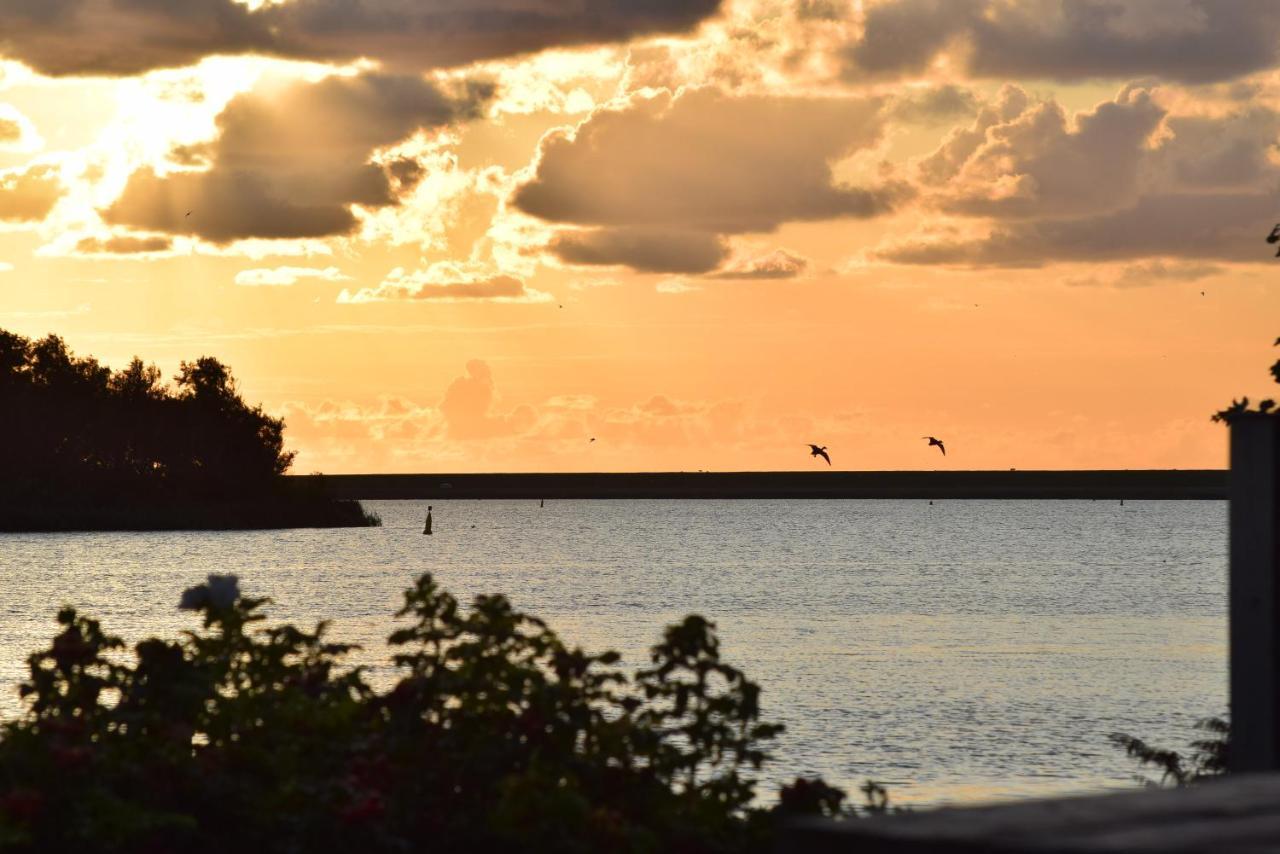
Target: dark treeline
[74,433]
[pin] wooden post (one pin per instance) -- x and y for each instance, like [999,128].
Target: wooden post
[1255,593]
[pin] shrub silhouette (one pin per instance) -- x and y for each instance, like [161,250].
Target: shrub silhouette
[1207,759]
[495,735]
[1241,406]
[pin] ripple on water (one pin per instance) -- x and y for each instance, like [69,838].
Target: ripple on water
[963,651]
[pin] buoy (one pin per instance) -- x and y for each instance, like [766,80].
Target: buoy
[426,529]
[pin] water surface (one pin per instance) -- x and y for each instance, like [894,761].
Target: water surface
[965,650]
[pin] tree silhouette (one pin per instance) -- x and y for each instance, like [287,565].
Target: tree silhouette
[74,428]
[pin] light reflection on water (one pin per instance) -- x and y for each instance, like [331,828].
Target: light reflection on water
[967,650]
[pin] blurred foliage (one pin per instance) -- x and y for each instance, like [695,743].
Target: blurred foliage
[1207,759]
[72,425]
[1242,407]
[494,736]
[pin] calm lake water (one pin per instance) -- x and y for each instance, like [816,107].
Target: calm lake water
[969,650]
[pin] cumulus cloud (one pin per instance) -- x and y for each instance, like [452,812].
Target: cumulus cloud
[121,37]
[1123,181]
[778,264]
[286,276]
[447,282]
[1039,162]
[1190,41]
[290,162]
[468,407]
[663,177]
[28,194]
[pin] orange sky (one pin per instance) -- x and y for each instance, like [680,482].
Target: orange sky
[705,233]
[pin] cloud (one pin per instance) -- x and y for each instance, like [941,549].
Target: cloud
[663,178]
[123,244]
[1221,226]
[122,37]
[467,407]
[6,267]
[447,282]
[687,162]
[934,104]
[676,285]
[1123,181]
[17,133]
[778,264]
[28,194]
[1038,162]
[1189,41]
[290,162]
[285,276]
[1151,273]
[651,250]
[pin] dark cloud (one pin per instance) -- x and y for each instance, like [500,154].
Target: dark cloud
[779,264]
[1191,41]
[1222,227]
[935,104]
[446,283]
[122,244]
[708,161]
[643,249]
[664,178]
[121,37]
[28,194]
[290,163]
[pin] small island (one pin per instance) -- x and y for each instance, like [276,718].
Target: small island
[83,447]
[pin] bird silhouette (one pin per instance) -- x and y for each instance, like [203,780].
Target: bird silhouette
[1274,237]
[189,213]
[593,438]
[815,451]
[938,442]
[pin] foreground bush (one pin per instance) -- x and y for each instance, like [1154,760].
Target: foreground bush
[1206,760]
[495,736]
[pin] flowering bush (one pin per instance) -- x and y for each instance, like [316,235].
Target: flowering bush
[495,735]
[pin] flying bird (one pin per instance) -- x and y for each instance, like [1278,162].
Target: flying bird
[815,451]
[593,438]
[189,213]
[933,441]
[1274,237]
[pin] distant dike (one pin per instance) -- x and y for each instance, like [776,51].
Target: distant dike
[1203,484]
[302,509]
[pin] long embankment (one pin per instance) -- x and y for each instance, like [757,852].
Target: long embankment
[1137,484]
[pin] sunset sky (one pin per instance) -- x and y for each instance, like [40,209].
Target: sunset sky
[469,235]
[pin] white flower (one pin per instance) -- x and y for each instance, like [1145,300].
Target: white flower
[221,591]
[224,590]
